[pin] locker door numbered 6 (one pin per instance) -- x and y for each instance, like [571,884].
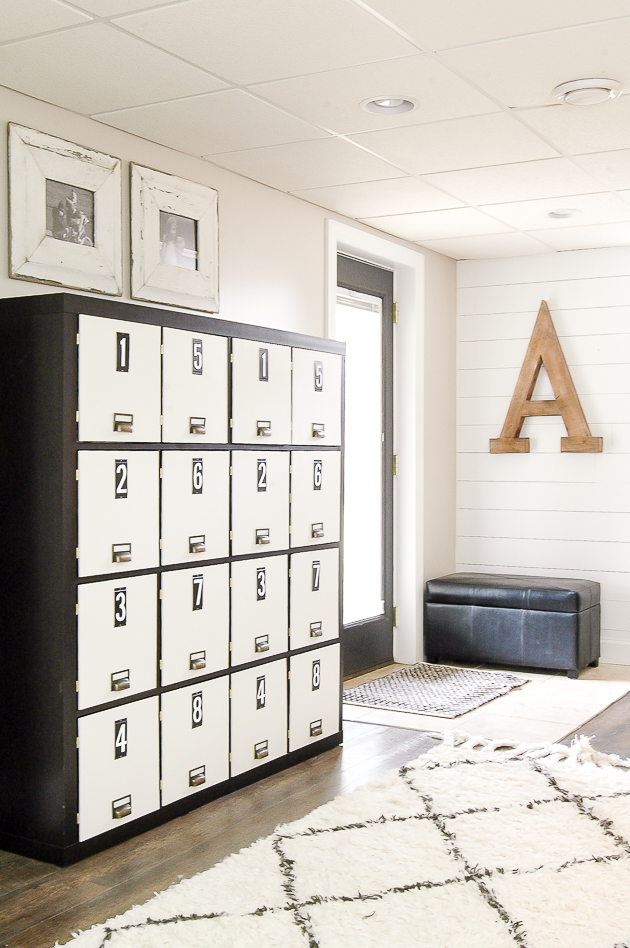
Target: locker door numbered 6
[195,505]
[315,497]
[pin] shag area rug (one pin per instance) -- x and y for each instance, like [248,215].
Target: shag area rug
[439,690]
[475,844]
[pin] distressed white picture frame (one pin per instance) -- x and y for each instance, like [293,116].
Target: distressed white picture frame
[33,255]
[152,192]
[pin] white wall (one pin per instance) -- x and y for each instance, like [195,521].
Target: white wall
[548,513]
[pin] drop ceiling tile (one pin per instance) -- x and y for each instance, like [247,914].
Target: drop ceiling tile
[521,181]
[377,198]
[315,164]
[460,22]
[581,131]
[429,225]
[116,7]
[533,215]
[217,122]
[487,246]
[522,72]
[332,99]
[586,238]
[29,17]
[612,168]
[95,69]
[256,42]
[459,143]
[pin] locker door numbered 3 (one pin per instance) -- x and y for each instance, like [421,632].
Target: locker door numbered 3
[259,608]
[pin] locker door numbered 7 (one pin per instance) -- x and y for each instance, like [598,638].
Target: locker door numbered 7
[195,622]
[316,397]
[195,387]
[261,392]
[314,597]
[119,380]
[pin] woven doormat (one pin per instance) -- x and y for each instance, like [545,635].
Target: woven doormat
[433,689]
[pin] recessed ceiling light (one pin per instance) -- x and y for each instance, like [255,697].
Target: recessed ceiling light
[391,104]
[587,91]
[560,213]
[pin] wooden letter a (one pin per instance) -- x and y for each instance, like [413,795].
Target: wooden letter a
[544,349]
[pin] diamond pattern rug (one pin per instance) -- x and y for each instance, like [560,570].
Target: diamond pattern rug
[476,844]
[439,690]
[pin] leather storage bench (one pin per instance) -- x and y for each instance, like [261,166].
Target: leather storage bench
[533,621]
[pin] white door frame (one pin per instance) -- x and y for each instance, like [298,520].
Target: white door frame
[408,268]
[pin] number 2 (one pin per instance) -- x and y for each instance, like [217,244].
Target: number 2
[261,469]
[120,471]
[120,739]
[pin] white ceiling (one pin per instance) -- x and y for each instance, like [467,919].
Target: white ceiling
[271,89]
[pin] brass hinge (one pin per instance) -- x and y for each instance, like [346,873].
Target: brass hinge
[78,339]
[395,465]
[395,617]
[162,349]
[395,313]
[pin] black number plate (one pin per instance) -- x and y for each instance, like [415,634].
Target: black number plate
[120,738]
[319,376]
[318,467]
[261,694]
[121,483]
[315,575]
[197,709]
[197,357]
[120,607]
[316,675]
[261,474]
[261,583]
[122,351]
[197,475]
[197,592]
[263,365]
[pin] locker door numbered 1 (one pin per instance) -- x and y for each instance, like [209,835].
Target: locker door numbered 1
[261,392]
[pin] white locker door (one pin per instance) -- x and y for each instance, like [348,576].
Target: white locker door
[119,503]
[195,387]
[316,397]
[195,738]
[314,704]
[195,505]
[258,715]
[117,639]
[260,501]
[119,380]
[261,393]
[195,622]
[259,608]
[315,497]
[119,769]
[314,597]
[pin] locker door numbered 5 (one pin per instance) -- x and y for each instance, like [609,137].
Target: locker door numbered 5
[195,387]
[316,397]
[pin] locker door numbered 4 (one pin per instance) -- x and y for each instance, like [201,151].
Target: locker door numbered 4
[258,715]
[314,696]
[195,387]
[195,738]
[195,622]
[316,397]
[118,766]
[315,497]
[314,597]
[119,380]
[118,511]
[259,608]
[195,505]
[260,501]
[261,392]
[117,639]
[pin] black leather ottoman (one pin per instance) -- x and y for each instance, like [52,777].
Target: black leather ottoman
[533,621]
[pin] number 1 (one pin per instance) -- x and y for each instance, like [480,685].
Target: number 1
[122,351]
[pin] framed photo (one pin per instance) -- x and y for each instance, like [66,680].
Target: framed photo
[65,213]
[174,241]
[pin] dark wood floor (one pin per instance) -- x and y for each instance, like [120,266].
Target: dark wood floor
[40,904]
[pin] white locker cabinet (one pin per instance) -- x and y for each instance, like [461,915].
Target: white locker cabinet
[314,597]
[258,715]
[195,606]
[119,776]
[315,497]
[316,397]
[118,511]
[195,387]
[260,501]
[119,380]
[314,696]
[116,639]
[259,596]
[261,393]
[195,738]
[195,505]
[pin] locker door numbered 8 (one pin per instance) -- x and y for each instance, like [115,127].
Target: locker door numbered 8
[314,696]
[195,738]
[117,639]
[259,608]
[315,497]
[195,387]
[118,511]
[119,380]
[195,505]
[261,392]
[258,715]
[260,501]
[314,597]
[119,778]
[316,397]
[195,622]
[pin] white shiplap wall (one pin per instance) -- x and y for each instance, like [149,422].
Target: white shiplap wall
[545,512]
